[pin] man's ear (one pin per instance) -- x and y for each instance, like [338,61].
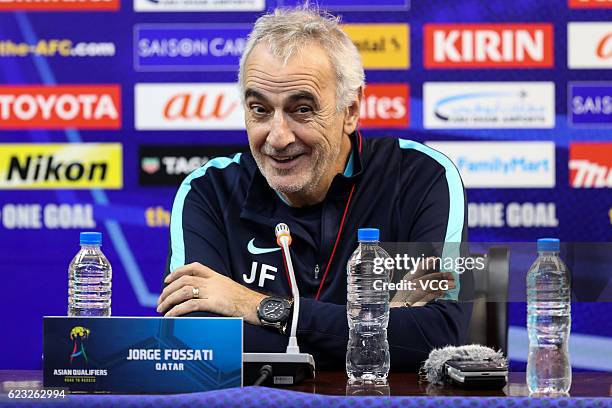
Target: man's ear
[351,113]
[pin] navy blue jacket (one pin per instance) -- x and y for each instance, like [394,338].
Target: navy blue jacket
[224,216]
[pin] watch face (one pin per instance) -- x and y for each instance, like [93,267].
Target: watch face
[274,310]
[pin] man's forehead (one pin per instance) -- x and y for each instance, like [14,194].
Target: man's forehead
[306,72]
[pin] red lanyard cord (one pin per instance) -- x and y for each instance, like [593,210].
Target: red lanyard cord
[346,207]
[331,257]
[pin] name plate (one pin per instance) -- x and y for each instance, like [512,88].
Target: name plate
[142,354]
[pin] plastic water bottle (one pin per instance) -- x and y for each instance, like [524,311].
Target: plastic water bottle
[367,355]
[89,279]
[548,321]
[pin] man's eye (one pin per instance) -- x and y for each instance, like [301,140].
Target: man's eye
[258,110]
[304,109]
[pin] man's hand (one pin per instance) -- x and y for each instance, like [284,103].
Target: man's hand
[419,296]
[217,294]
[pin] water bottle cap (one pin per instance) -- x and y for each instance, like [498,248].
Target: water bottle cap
[368,234]
[91,238]
[548,245]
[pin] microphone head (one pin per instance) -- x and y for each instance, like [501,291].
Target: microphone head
[282,231]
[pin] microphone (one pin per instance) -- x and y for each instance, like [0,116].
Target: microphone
[283,236]
[283,239]
[436,371]
[291,367]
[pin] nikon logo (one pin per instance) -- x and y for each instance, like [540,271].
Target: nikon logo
[85,165]
[48,169]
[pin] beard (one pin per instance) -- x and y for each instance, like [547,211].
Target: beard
[304,179]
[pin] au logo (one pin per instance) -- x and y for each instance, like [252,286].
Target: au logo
[79,335]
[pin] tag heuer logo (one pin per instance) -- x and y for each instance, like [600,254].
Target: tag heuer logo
[150,165]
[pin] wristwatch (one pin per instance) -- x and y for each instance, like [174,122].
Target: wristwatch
[274,312]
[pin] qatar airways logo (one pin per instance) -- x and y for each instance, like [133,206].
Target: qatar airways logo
[188,106]
[60,107]
[488,105]
[488,46]
[590,165]
[589,45]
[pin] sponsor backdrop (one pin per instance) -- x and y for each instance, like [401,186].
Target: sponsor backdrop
[105,105]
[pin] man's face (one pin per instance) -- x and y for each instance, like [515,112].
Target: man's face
[295,132]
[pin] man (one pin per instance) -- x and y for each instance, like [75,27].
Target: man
[302,80]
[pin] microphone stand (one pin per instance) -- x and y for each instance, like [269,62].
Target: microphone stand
[291,367]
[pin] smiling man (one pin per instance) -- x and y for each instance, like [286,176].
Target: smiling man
[302,81]
[298,136]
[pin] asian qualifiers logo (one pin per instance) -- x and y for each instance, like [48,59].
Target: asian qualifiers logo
[79,335]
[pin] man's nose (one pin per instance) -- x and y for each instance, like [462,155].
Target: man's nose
[280,135]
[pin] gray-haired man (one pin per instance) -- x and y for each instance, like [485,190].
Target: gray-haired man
[302,81]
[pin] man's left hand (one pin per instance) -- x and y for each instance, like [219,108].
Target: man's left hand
[217,294]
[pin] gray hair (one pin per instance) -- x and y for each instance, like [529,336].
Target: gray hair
[286,30]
